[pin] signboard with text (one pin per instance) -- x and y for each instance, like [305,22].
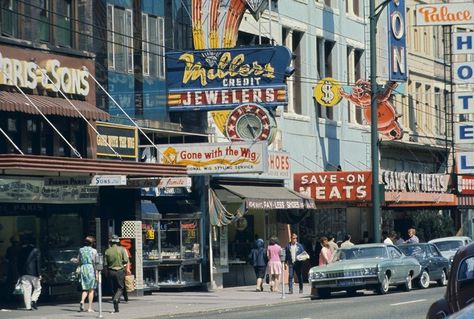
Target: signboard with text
[222,79]
[397,46]
[444,14]
[465,162]
[122,138]
[216,158]
[466,185]
[414,182]
[335,186]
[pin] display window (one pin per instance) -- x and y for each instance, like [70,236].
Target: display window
[151,243]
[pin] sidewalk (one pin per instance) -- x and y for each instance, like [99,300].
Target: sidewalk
[162,303]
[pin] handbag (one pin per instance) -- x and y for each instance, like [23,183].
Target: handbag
[303,256]
[18,290]
[130,283]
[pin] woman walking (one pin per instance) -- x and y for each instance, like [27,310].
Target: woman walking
[274,264]
[87,277]
[258,260]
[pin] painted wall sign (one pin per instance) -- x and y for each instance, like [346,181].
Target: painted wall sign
[387,121]
[465,162]
[122,138]
[463,102]
[464,132]
[216,158]
[444,14]
[414,182]
[397,47]
[466,185]
[335,186]
[223,79]
[47,190]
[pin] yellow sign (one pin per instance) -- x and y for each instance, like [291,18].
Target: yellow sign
[327,92]
[220,119]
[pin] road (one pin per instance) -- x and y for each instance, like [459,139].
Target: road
[365,305]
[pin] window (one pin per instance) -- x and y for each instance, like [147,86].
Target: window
[428,109]
[44,20]
[326,54]
[438,42]
[120,39]
[153,56]
[63,23]
[439,112]
[293,39]
[354,73]
[9,18]
[36,16]
[352,7]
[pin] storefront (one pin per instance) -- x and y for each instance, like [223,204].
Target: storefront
[343,206]
[466,204]
[410,195]
[242,210]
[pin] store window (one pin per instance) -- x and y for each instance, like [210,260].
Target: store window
[153,56]
[120,39]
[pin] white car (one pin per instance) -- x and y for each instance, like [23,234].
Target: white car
[448,246]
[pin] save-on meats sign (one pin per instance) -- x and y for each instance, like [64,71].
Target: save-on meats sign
[335,186]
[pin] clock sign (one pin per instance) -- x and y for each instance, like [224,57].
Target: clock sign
[250,121]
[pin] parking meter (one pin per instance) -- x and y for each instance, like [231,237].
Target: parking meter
[99,266]
[283,259]
[99,262]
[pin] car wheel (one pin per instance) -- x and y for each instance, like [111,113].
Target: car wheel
[324,293]
[424,280]
[408,284]
[382,288]
[443,281]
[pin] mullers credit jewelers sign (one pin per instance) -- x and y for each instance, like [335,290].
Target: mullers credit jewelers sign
[216,158]
[335,186]
[221,79]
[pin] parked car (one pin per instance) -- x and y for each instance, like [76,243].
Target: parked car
[460,289]
[433,265]
[367,266]
[448,246]
[466,313]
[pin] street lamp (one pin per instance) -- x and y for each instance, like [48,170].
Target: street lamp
[374,13]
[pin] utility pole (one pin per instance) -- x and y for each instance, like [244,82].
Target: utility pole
[373,122]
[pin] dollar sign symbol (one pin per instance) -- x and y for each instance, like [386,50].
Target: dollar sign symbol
[326,89]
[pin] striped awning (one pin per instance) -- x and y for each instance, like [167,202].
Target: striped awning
[16,102]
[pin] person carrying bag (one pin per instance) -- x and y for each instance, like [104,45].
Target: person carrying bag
[258,259]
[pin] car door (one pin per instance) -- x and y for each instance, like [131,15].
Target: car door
[398,266]
[464,291]
[435,264]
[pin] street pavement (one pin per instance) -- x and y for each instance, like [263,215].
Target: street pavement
[237,300]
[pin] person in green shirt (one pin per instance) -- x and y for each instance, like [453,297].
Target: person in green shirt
[116,259]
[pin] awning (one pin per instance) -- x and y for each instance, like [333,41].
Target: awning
[264,197]
[16,102]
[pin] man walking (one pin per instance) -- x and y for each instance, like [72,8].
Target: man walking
[29,263]
[116,259]
[293,249]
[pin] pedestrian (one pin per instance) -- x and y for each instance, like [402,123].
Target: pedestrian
[398,239]
[87,274]
[325,256]
[126,245]
[11,257]
[347,241]
[292,250]
[332,243]
[29,269]
[258,259]
[390,238]
[274,268]
[116,260]
[413,239]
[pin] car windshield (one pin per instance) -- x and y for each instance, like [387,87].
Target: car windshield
[360,253]
[412,250]
[449,245]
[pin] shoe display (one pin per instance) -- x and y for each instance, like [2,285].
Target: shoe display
[33,305]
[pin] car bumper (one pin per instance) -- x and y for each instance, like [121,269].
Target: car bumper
[345,282]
